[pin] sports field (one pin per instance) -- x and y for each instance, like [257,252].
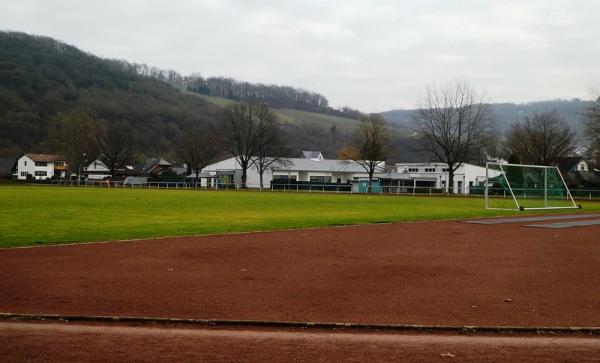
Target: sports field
[51,215]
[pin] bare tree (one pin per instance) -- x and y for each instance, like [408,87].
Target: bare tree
[453,123]
[114,145]
[72,136]
[240,132]
[197,148]
[270,148]
[592,114]
[543,139]
[370,146]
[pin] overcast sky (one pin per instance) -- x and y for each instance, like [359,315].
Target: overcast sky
[371,55]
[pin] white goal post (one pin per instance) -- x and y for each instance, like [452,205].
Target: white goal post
[526,187]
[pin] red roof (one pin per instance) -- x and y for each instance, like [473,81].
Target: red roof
[45,157]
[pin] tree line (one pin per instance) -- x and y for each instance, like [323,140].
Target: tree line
[229,88]
[453,126]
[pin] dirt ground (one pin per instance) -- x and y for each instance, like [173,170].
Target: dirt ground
[440,273]
[77,343]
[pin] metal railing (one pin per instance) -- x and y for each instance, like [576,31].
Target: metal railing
[580,194]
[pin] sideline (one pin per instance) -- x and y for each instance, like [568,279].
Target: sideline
[305,325]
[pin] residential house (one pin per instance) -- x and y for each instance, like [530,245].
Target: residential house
[7,167]
[41,167]
[573,164]
[577,174]
[97,170]
[156,166]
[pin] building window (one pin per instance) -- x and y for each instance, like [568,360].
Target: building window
[59,163]
[320,179]
[430,170]
[40,173]
[24,173]
[41,163]
[445,170]
[284,178]
[413,170]
[24,162]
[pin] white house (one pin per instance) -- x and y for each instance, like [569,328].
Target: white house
[573,164]
[466,176]
[41,166]
[97,170]
[312,167]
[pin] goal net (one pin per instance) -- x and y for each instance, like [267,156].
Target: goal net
[526,187]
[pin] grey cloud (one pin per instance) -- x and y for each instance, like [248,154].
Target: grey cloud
[373,55]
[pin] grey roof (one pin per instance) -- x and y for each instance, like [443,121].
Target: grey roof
[567,164]
[152,162]
[6,165]
[325,165]
[311,154]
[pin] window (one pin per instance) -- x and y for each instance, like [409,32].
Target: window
[59,163]
[24,162]
[40,173]
[24,173]
[320,179]
[41,163]
[445,170]
[430,170]
[413,170]
[284,178]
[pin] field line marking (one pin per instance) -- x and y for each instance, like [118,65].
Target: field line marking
[306,325]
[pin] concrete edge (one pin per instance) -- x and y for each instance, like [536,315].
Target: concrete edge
[306,325]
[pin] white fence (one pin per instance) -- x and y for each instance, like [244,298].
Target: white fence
[581,194]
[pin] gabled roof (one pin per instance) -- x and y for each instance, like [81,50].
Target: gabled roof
[567,164]
[312,154]
[45,157]
[154,162]
[6,165]
[297,164]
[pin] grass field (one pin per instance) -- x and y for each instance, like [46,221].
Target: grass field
[50,215]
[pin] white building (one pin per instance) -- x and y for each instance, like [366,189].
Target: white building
[313,167]
[97,170]
[41,166]
[466,176]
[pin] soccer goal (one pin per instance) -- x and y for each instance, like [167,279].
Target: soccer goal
[526,187]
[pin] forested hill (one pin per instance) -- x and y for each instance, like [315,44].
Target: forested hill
[506,113]
[231,89]
[40,77]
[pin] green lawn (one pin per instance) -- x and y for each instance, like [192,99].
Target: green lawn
[48,215]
